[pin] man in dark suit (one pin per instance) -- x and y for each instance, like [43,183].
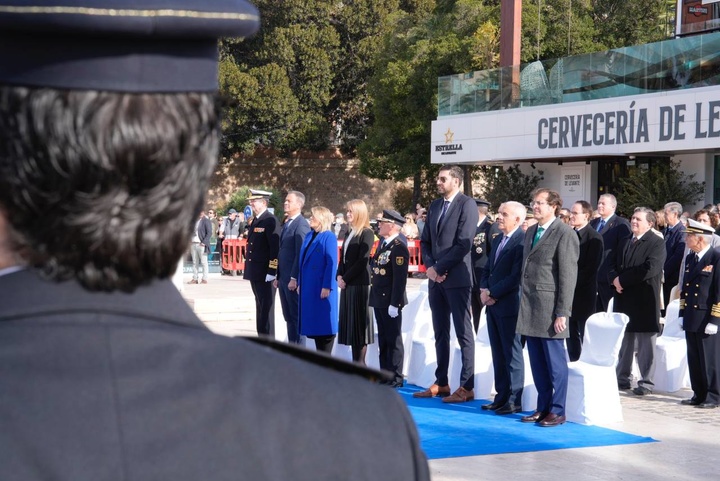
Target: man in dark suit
[700,315]
[479,255]
[585,298]
[549,275]
[200,247]
[261,260]
[389,267]
[615,232]
[446,242]
[291,239]
[116,128]
[674,248]
[500,286]
[637,273]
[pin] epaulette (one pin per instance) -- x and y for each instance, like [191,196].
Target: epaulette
[323,359]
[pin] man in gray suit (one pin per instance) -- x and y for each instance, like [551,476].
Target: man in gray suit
[445,243]
[548,283]
[291,239]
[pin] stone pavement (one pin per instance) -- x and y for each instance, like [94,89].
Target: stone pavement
[689,438]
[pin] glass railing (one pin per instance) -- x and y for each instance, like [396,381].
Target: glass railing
[681,63]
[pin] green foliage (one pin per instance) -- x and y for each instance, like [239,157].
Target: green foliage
[663,182]
[501,185]
[238,200]
[402,200]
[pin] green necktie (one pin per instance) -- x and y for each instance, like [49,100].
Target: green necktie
[538,234]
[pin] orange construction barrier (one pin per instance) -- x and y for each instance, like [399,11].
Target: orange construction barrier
[233,254]
[414,263]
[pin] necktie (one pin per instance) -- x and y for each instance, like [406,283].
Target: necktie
[600,225]
[382,244]
[285,226]
[501,246]
[446,204]
[538,235]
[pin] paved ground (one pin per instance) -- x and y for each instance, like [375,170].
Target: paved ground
[689,438]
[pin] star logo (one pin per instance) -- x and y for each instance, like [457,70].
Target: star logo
[449,136]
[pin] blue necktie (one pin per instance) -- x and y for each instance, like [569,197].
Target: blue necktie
[446,204]
[601,224]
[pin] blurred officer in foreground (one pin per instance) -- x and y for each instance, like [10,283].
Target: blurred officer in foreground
[105,372]
[387,296]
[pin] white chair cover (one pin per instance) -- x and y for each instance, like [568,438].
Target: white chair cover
[671,368]
[592,383]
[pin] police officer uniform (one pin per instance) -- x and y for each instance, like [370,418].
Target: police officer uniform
[261,262]
[484,234]
[700,306]
[129,384]
[389,267]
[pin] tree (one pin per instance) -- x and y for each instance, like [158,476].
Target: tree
[501,185]
[653,187]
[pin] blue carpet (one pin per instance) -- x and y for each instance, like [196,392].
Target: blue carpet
[456,430]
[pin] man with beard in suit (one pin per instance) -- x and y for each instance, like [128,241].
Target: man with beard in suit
[499,286]
[292,236]
[615,232]
[446,243]
[548,282]
[585,298]
[479,255]
[700,315]
[636,274]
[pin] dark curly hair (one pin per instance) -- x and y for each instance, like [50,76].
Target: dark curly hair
[104,187]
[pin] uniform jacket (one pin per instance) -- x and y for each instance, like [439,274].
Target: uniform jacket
[591,252]
[615,234]
[548,280]
[132,386]
[639,268]
[317,271]
[501,275]
[674,253]
[355,268]
[447,247]
[263,245]
[714,242]
[389,275]
[291,240]
[700,294]
[480,249]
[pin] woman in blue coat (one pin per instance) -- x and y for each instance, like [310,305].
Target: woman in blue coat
[317,283]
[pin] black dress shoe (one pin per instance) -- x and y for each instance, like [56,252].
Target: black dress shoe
[535,417]
[396,383]
[641,391]
[508,408]
[706,406]
[491,407]
[552,420]
[624,387]
[693,401]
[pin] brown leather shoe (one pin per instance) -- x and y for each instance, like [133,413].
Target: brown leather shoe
[203,281]
[433,391]
[535,417]
[551,420]
[194,281]
[462,395]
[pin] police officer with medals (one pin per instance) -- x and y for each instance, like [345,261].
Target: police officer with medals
[389,267]
[261,260]
[700,315]
[484,235]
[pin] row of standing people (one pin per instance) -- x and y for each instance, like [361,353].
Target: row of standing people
[322,296]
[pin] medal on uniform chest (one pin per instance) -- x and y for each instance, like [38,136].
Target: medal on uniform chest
[384,258]
[478,242]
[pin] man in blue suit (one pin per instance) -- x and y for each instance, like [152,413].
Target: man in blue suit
[499,291]
[674,249]
[446,242]
[291,239]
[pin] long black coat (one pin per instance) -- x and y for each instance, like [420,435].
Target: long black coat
[118,386]
[640,267]
[591,253]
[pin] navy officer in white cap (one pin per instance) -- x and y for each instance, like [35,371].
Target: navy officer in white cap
[389,266]
[109,119]
[700,315]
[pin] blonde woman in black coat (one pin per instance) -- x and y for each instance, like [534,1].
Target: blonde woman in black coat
[353,277]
